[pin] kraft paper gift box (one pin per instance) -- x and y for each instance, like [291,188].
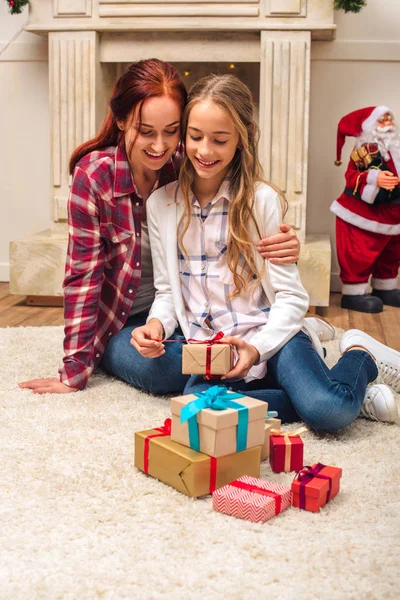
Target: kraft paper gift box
[218,422]
[207,359]
[314,486]
[252,499]
[286,450]
[190,472]
[271,423]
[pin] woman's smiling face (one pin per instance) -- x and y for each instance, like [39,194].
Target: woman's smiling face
[154,139]
[211,140]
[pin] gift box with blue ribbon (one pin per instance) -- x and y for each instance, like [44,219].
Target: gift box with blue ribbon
[218,422]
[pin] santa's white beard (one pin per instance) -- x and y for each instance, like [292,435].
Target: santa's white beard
[388,141]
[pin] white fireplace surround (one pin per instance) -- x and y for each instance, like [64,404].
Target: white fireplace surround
[88,38]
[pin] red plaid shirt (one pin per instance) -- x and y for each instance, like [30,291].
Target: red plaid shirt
[103,268]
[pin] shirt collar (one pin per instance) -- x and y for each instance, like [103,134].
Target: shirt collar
[223,192]
[123,182]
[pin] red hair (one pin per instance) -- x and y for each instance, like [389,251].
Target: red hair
[142,80]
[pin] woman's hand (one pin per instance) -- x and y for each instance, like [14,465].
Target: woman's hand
[147,339]
[47,385]
[248,356]
[282,248]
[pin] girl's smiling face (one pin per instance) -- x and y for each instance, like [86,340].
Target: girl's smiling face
[211,140]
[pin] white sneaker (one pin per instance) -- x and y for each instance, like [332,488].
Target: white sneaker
[379,404]
[388,360]
[324,330]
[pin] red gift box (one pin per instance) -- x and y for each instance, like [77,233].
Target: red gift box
[314,486]
[252,499]
[286,450]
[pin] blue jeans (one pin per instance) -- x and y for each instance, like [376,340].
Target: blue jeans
[300,387]
[158,376]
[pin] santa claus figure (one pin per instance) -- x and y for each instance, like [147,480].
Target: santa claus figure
[368,211]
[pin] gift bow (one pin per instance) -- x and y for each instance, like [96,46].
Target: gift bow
[289,433]
[216,398]
[164,430]
[215,340]
[271,414]
[305,475]
[286,436]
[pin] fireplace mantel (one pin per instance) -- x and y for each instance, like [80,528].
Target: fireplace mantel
[87,35]
[315,16]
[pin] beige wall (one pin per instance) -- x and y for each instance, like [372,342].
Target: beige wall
[24,126]
[360,68]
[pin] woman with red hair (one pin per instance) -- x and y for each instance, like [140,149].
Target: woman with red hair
[108,286]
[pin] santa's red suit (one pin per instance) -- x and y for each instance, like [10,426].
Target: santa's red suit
[368,217]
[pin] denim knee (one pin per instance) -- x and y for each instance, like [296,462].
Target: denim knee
[330,412]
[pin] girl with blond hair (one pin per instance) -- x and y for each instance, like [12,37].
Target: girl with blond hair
[204,230]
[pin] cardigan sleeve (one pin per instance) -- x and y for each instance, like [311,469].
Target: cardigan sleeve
[283,288]
[163,307]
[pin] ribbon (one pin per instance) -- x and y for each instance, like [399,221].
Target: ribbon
[271,414]
[288,444]
[215,340]
[216,398]
[307,474]
[165,430]
[259,490]
[213,474]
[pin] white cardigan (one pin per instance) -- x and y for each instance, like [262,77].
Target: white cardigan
[281,283]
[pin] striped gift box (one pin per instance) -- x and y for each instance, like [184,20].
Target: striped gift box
[252,499]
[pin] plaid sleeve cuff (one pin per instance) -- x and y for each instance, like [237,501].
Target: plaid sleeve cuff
[75,375]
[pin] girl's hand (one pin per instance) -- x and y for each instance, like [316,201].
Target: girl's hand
[47,385]
[147,339]
[282,248]
[248,356]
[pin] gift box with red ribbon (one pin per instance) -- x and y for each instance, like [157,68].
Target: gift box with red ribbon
[190,472]
[314,486]
[286,450]
[217,421]
[252,499]
[207,357]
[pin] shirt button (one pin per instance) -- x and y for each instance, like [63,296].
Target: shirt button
[114,238]
[97,355]
[137,203]
[137,234]
[109,334]
[130,291]
[203,266]
[137,264]
[123,314]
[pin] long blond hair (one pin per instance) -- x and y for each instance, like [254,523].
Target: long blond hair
[228,92]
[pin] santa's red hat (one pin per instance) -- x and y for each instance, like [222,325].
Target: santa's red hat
[355,123]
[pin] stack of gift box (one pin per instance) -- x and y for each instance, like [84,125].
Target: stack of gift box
[213,443]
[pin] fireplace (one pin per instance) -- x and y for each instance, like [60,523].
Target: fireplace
[265,42]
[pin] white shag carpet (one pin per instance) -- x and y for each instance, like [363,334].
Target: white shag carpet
[78,521]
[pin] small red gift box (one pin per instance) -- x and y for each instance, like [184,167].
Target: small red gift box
[314,486]
[286,450]
[252,499]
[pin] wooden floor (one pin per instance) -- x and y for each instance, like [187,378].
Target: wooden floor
[385,326]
